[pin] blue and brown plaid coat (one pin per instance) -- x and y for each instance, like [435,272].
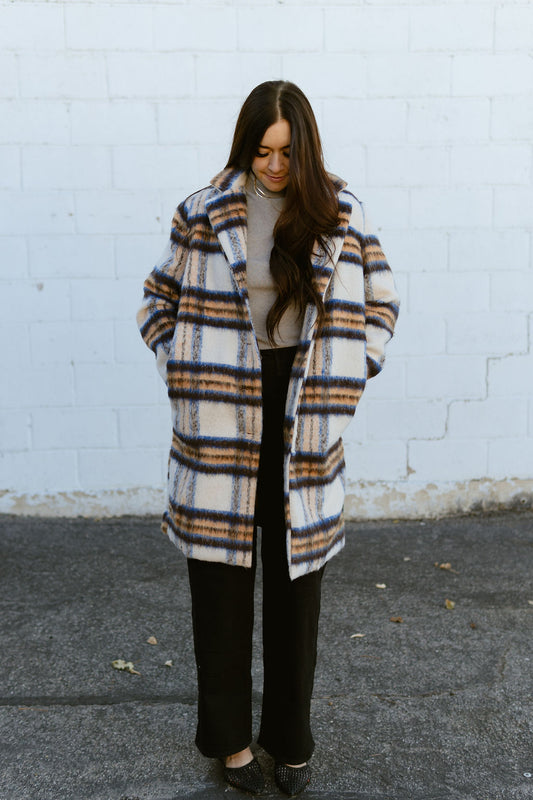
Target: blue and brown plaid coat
[196,318]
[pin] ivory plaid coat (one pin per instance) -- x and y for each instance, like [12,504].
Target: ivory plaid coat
[195,316]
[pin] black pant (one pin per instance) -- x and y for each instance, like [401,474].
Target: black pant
[222,611]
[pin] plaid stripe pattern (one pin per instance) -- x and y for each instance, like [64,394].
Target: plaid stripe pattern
[196,318]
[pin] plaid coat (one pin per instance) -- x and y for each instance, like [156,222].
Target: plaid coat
[196,318]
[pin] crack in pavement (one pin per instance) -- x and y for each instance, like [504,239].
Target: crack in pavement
[95,700]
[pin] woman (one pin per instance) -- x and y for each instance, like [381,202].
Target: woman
[268,311]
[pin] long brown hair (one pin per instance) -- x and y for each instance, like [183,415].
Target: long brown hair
[310,212]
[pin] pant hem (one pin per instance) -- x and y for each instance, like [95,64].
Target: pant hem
[215,752]
[284,757]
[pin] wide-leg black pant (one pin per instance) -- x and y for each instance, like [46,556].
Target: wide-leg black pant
[222,612]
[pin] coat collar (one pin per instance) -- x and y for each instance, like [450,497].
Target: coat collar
[230,180]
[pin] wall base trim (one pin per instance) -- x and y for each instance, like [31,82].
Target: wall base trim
[370,500]
[407,500]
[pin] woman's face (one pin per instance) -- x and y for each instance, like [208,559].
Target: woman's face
[271,163]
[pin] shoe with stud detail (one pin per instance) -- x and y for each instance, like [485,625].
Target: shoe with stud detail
[249,778]
[292,780]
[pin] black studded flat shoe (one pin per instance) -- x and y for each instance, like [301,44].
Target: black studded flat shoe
[292,780]
[248,778]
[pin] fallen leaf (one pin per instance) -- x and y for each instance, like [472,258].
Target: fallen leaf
[473,626]
[447,566]
[396,619]
[168,663]
[125,666]
[151,640]
[407,558]
[381,585]
[358,636]
[450,604]
[530,602]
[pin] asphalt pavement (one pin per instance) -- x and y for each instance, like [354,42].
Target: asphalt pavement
[424,684]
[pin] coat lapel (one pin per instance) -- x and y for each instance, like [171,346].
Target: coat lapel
[227,214]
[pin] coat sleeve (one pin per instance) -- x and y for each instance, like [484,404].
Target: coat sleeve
[382,302]
[156,317]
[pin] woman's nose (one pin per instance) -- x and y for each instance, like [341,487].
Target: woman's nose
[275,162]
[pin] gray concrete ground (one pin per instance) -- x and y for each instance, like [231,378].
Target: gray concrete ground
[436,707]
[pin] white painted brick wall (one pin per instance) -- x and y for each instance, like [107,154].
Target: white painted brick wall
[44,212]
[44,31]
[492,74]
[446,376]
[493,250]
[513,370]
[367,30]
[451,120]
[74,256]
[46,166]
[496,164]
[492,333]
[511,120]
[448,459]
[451,28]
[512,206]
[510,457]
[488,419]
[117,211]
[514,26]
[137,466]
[39,472]
[108,27]
[57,343]
[74,428]
[10,171]
[34,121]
[113,110]
[65,75]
